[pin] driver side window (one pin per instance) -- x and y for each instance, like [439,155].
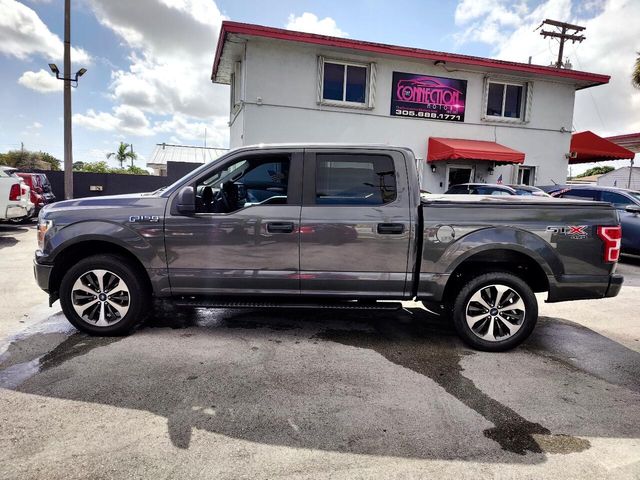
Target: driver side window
[246,182]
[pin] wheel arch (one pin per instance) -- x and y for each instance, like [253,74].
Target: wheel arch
[527,266]
[86,248]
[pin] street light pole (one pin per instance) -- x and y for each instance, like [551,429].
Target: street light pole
[68,83]
[68,151]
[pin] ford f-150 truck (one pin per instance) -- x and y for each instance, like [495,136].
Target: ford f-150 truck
[324,226]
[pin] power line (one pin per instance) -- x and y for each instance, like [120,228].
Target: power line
[593,100]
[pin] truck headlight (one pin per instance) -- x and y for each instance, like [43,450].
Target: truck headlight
[43,228]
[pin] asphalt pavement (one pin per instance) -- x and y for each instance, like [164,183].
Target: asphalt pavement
[314,394]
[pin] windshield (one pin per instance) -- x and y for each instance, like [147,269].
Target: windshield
[202,167]
[635,196]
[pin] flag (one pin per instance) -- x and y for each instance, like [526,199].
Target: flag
[500,180]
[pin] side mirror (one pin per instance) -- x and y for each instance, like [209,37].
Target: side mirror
[632,209]
[186,201]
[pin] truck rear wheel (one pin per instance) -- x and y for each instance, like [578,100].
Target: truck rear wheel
[104,295]
[495,311]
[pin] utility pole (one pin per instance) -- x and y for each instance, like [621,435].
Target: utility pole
[68,83]
[563,31]
[131,146]
[66,72]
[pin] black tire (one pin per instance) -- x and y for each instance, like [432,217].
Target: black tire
[138,301]
[486,283]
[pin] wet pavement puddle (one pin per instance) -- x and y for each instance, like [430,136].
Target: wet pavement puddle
[423,345]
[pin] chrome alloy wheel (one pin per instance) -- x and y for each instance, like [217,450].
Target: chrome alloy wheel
[495,312]
[100,298]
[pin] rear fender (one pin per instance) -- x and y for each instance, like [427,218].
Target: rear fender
[501,238]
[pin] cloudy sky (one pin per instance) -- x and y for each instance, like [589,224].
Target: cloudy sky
[149,61]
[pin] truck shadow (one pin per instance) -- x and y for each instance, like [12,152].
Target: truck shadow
[330,381]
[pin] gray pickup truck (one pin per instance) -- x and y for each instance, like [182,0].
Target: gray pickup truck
[324,226]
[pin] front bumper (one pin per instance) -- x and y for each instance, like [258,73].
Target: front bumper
[42,272]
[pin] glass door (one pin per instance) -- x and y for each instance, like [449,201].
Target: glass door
[457,174]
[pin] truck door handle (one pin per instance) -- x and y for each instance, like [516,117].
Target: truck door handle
[390,228]
[280,227]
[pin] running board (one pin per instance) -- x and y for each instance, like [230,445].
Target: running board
[353,305]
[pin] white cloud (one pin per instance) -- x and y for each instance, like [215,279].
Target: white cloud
[36,125]
[309,22]
[40,81]
[124,118]
[184,131]
[171,55]
[23,34]
[172,43]
[610,48]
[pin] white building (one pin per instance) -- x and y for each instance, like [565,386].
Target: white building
[297,87]
[625,177]
[165,153]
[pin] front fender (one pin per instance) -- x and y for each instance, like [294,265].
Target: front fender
[145,242]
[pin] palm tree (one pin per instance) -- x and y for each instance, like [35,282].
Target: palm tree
[635,76]
[122,154]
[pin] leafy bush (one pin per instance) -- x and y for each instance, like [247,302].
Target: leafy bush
[103,167]
[27,159]
[596,171]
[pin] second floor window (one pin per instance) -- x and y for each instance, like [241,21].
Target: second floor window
[345,83]
[505,101]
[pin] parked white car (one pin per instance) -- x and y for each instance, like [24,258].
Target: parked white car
[15,202]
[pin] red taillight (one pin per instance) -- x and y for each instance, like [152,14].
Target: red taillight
[14,193]
[611,236]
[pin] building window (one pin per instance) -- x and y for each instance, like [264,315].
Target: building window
[345,83]
[507,101]
[236,86]
[526,176]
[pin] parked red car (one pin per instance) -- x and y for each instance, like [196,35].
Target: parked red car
[41,192]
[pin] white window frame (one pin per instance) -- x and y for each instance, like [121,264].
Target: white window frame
[236,87]
[461,166]
[520,169]
[525,101]
[369,90]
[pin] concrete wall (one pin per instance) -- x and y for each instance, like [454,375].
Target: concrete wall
[111,183]
[280,105]
[620,178]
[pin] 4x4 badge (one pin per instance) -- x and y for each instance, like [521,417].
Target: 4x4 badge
[572,231]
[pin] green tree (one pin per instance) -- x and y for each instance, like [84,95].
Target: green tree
[103,167]
[635,76]
[27,159]
[92,167]
[133,170]
[122,154]
[596,171]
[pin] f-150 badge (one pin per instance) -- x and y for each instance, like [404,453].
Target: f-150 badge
[572,231]
[144,218]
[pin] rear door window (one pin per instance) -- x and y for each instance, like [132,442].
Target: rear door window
[581,194]
[458,190]
[618,200]
[354,179]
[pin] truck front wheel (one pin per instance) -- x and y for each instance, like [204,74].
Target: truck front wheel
[495,311]
[103,295]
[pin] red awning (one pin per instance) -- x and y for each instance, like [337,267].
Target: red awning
[460,149]
[588,147]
